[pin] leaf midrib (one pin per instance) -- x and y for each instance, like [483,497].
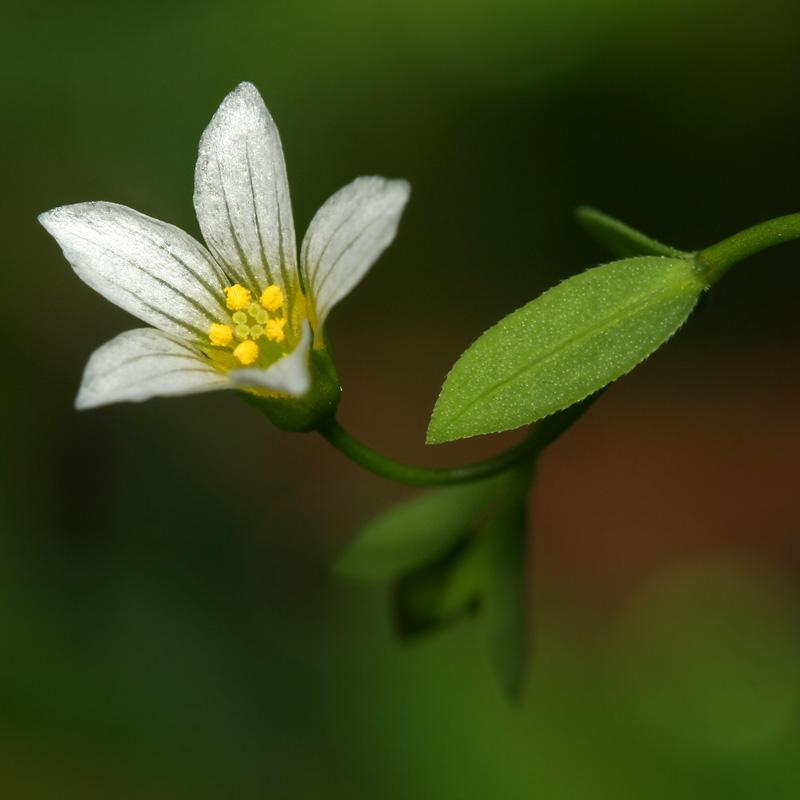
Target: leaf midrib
[574,339]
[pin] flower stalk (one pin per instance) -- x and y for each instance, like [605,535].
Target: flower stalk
[544,434]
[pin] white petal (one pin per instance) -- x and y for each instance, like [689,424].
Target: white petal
[152,269]
[346,237]
[241,193]
[289,376]
[145,363]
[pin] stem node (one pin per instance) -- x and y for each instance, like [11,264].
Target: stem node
[716,260]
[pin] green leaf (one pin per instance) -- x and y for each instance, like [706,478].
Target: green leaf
[486,574]
[503,601]
[568,343]
[439,592]
[620,238]
[416,532]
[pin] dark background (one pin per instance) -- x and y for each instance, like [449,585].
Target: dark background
[168,626]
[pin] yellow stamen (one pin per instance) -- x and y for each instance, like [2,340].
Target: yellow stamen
[246,352]
[238,297]
[274,330]
[220,335]
[272,298]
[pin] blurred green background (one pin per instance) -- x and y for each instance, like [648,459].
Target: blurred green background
[167,634]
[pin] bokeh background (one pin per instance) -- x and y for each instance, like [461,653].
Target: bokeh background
[168,626]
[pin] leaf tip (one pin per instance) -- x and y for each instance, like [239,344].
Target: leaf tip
[437,430]
[583,212]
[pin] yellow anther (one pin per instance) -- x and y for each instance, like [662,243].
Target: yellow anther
[246,352]
[240,317]
[274,330]
[272,298]
[238,297]
[220,335]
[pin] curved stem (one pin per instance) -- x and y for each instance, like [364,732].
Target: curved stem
[540,437]
[716,260]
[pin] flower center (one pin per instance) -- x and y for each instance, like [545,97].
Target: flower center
[252,321]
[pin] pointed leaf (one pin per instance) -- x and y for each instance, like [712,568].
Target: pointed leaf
[621,239]
[416,532]
[441,592]
[568,343]
[503,601]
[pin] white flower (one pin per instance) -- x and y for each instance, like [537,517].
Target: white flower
[240,314]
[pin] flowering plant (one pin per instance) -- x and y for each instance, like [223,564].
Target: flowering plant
[243,312]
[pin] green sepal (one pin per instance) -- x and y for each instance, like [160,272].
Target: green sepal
[415,533]
[565,345]
[621,239]
[303,414]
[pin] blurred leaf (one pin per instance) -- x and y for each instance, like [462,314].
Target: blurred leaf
[568,343]
[620,238]
[504,599]
[483,573]
[439,593]
[416,532]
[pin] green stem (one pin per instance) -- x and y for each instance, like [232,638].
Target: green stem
[716,260]
[545,432]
